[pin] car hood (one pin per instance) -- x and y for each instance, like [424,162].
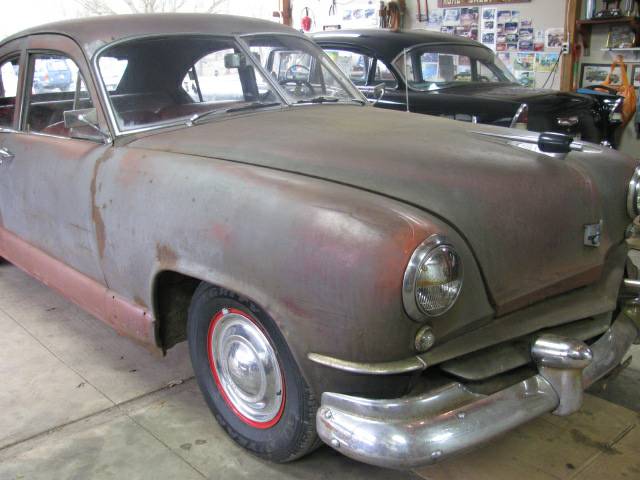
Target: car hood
[521,212]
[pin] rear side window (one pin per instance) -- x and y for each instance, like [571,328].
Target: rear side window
[9,73]
[56,87]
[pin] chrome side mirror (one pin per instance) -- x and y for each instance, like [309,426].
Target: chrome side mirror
[86,117]
[80,118]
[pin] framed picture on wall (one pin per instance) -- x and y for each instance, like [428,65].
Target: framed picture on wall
[635,76]
[596,73]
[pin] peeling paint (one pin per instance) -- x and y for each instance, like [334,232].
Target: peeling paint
[166,255]
[96,215]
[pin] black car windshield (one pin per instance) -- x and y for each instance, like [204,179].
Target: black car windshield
[303,71]
[433,67]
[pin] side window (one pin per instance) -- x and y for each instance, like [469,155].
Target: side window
[441,67]
[56,87]
[355,65]
[486,74]
[209,80]
[112,70]
[9,72]
[384,75]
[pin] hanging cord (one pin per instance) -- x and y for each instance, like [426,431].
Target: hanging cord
[332,9]
[553,72]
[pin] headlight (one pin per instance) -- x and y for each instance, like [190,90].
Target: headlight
[633,197]
[433,279]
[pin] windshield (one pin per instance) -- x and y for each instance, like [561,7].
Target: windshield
[302,69]
[160,81]
[165,80]
[432,67]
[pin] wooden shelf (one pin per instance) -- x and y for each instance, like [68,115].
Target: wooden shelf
[585,26]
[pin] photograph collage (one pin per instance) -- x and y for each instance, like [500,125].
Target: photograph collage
[524,49]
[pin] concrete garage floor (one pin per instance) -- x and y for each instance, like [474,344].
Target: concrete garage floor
[79,402]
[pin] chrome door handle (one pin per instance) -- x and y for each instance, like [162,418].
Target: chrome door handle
[5,156]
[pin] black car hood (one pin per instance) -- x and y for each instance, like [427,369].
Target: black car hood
[509,92]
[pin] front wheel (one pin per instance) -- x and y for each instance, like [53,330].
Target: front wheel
[248,376]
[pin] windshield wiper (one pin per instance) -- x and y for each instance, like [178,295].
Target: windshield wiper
[322,99]
[195,118]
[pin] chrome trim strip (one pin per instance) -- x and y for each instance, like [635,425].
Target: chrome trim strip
[632,285]
[410,274]
[575,146]
[634,185]
[521,109]
[411,432]
[407,365]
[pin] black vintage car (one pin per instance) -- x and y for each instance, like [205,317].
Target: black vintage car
[461,79]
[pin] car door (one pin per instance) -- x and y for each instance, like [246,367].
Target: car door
[367,71]
[47,189]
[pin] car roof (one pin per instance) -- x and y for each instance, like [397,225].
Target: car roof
[388,44]
[94,32]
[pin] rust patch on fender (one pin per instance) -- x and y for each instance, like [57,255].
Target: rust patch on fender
[95,209]
[166,255]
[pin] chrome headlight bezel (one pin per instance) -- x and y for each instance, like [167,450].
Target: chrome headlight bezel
[633,195]
[424,251]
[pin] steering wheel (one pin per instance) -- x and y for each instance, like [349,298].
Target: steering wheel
[300,85]
[291,74]
[460,77]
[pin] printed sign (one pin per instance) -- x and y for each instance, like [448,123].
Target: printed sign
[475,3]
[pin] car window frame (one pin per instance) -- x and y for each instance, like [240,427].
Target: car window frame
[31,55]
[7,51]
[373,82]
[58,44]
[104,94]
[412,53]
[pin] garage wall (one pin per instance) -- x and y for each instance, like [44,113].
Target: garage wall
[630,144]
[544,14]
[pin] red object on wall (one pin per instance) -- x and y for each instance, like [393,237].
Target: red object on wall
[306,20]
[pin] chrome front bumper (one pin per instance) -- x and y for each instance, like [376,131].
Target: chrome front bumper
[414,431]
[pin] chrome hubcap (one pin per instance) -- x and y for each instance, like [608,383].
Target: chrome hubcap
[246,368]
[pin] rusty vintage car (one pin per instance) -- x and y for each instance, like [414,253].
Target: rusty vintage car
[399,286]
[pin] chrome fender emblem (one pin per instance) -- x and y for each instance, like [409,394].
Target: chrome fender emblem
[592,234]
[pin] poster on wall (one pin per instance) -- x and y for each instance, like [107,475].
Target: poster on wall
[596,73]
[462,22]
[513,35]
[473,3]
[545,62]
[359,14]
[553,39]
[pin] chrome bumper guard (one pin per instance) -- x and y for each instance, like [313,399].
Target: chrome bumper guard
[414,431]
